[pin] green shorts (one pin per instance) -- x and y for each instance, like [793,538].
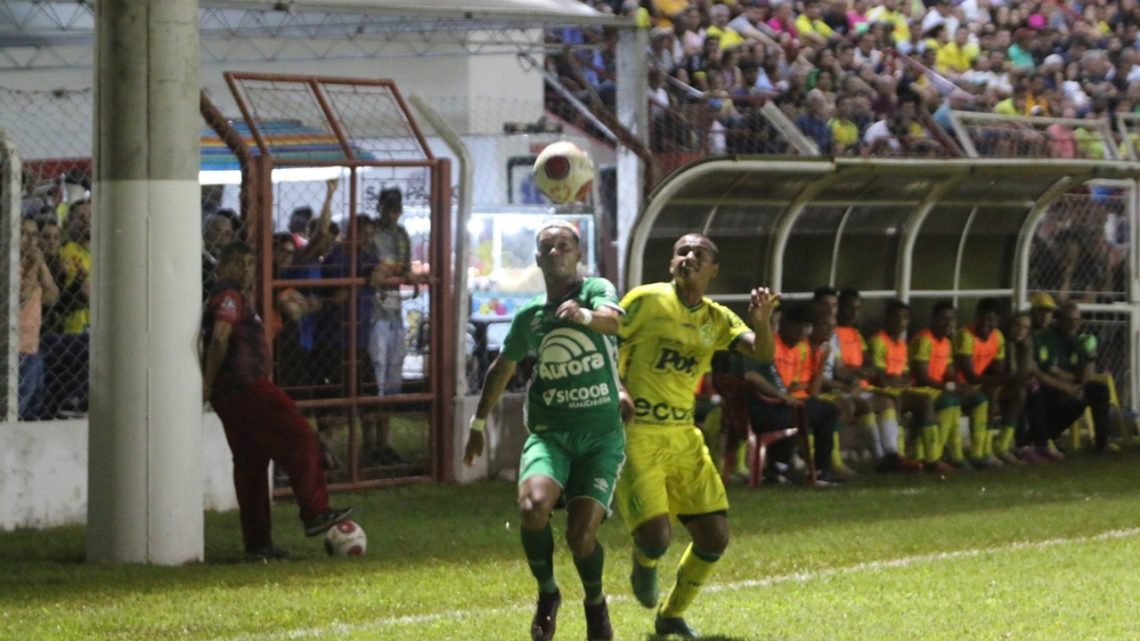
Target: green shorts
[583,463]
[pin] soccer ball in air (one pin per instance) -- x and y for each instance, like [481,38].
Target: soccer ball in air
[346,539]
[564,172]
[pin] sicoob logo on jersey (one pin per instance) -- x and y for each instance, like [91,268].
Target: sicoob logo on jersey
[567,352]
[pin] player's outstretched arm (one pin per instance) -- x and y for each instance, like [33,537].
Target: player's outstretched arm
[498,375]
[604,321]
[761,343]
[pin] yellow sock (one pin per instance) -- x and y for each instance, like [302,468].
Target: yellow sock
[980,424]
[978,438]
[836,455]
[741,462]
[928,447]
[948,433]
[692,573]
[1005,439]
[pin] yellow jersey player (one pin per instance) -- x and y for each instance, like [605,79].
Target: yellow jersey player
[668,335]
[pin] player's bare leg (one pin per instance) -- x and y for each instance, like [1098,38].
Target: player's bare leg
[583,517]
[537,497]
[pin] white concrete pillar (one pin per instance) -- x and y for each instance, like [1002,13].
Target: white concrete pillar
[633,113]
[144,472]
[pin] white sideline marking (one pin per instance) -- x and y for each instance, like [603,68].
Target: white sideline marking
[796,577]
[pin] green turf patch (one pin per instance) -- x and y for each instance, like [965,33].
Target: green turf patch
[1036,552]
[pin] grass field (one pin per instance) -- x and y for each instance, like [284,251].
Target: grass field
[1038,552]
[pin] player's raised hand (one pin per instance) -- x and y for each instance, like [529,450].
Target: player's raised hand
[761,304]
[474,447]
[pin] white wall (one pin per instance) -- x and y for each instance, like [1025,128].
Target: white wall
[43,472]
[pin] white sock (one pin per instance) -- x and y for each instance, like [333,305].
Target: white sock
[888,440]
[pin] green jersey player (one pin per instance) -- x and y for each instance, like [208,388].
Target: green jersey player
[576,446]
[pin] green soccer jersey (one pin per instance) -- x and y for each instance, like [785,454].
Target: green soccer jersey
[575,381]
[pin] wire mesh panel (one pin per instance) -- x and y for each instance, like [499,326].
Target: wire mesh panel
[997,136]
[1080,249]
[353,226]
[52,133]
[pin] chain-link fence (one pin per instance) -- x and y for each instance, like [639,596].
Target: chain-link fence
[52,133]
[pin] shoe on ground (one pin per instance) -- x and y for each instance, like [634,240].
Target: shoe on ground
[994,461]
[319,524]
[1009,458]
[673,626]
[1050,453]
[829,478]
[643,580]
[962,464]
[909,464]
[1110,448]
[266,554]
[545,616]
[939,467]
[598,626]
[843,472]
[1030,455]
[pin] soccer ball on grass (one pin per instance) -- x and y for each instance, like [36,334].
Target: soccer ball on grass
[564,172]
[346,539]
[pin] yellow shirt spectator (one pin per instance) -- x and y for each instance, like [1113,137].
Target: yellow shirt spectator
[76,261]
[844,132]
[805,25]
[666,9]
[729,37]
[954,59]
[901,31]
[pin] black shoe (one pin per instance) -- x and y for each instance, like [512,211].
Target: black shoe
[545,616]
[266,554]
[319,524]
[676,626]
[598,626]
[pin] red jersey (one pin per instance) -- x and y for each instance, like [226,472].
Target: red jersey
[247,359]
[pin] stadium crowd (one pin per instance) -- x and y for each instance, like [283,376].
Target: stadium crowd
[869,76]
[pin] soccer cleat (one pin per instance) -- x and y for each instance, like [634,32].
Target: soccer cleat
[545,616]
[1050,453]
[675,626]
[1010,458]
[266,554]
[598,626]
[319,524]
[909,464]
[939,467]
[643,580]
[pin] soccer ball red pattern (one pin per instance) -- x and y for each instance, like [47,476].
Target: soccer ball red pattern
[564,172]
[346,539]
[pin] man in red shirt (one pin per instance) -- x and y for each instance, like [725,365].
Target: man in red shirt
[261,422]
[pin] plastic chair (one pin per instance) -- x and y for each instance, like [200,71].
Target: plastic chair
[736,426]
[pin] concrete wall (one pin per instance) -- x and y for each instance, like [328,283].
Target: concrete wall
[43,472]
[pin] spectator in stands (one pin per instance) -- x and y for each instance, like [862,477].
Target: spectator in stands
[730,38]
[814,123]
[37,290]
[66,358]
[220,230]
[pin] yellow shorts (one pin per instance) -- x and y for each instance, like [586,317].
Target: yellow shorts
[667,470]
[892,392]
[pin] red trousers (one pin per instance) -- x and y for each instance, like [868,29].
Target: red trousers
[262,423]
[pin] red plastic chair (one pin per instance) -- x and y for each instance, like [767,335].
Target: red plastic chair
[736,426]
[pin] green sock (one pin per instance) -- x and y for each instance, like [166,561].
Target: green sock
[590,571]
[539,549]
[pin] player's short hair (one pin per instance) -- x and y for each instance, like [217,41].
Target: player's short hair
[988,306]
[848,293]
[712,245]
[941,306]
[233,251]
[895,305]
[824,290]
[558,223]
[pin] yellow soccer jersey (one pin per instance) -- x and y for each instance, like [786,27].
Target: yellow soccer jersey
[667,347]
